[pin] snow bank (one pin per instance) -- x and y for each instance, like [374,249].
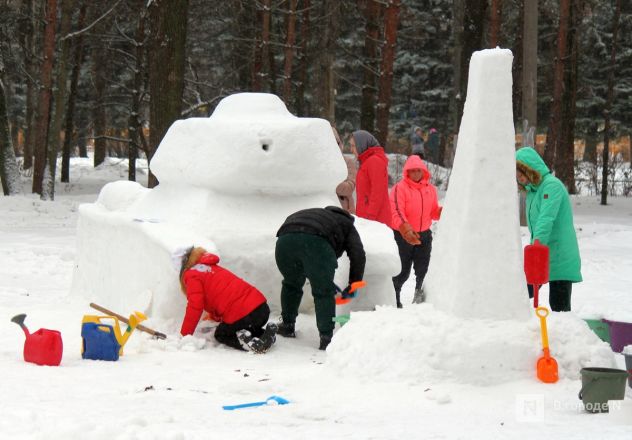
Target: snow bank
[421,344]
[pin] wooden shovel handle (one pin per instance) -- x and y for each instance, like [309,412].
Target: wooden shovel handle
[126,321]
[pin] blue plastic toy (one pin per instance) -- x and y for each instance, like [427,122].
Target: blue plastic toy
[99,342]
[272,400]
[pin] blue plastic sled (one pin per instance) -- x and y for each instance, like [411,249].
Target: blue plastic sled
[277,399]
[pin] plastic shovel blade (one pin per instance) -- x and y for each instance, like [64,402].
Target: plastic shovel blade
[547,369]
[272,400]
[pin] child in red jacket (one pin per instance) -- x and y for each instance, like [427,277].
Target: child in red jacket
[239,307]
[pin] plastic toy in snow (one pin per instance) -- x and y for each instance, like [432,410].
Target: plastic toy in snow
[105,342]
[272,400]
[547,365]
[536,267]
[44,347]
[345,297]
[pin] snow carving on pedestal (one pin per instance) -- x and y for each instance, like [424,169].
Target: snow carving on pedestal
[227,183]
[476,269]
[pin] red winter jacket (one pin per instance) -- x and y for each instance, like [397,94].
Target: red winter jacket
[372,186]
[225,296]
[414,202]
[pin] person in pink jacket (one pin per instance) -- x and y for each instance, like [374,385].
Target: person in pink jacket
[372,178]
[414,205]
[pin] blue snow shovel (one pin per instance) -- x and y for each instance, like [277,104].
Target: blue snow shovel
[270,400]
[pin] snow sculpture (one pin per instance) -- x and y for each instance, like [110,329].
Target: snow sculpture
[478,236]
[226,183]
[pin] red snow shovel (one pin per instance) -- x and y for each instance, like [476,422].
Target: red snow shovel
[536,267]
[547,365]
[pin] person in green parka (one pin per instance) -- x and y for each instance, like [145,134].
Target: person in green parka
[550,220]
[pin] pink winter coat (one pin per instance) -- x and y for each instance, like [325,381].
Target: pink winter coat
[372,186]
[414,202]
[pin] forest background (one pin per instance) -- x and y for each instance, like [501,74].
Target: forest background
[112,76]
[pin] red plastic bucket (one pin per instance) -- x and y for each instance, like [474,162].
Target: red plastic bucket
[620,334]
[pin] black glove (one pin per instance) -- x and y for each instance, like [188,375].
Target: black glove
[347,294]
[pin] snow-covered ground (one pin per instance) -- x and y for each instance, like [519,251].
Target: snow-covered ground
[175,389]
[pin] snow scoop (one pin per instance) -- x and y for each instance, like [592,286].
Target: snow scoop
[345,298]
[272,400]
[547,365]
[536,267]
[142,328]
[43,347]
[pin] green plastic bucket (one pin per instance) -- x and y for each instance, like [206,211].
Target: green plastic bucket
[341,319]
[600,385]
[600,328]
[628,365]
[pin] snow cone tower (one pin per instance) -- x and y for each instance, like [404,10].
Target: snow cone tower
[478,236]
[227,183]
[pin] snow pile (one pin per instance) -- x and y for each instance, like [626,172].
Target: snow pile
[478,236]
[227,183]
[423,345]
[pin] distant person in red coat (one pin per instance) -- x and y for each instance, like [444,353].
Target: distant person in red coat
[372,178]
[239,307]
[415,205]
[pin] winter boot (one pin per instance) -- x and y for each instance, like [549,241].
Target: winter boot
[244,337]
[286,329]
[268,338]
[420,296]
[324,341]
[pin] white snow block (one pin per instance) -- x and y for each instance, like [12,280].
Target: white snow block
[227,183]
[476,269]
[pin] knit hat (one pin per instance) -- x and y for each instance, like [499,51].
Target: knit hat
[364,140]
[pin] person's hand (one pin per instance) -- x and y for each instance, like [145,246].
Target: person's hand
[439,211]
[346,293]
[409,234]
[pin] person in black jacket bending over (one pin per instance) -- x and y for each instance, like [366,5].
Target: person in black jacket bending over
[309,244]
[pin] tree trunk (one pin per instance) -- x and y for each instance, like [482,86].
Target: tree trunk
[134,120]
[367,106]
[72,97]
[590,149]
[324,62]
[530,63]
[517,73]
[608,105]
[246,45]
[168,28]
[473,27]
[391,20]
[290,41]
[303,59]
[565,156]
[55,139]
[456,104]
[45,94]
[553,137]
[31,69]
[495,21]
[9,173]
[99,117]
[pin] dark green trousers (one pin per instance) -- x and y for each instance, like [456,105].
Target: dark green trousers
[299,257]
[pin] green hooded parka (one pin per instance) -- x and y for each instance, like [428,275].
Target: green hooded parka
[550,218]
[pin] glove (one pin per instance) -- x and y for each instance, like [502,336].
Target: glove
[347,294]
[439,211]
[409,234]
